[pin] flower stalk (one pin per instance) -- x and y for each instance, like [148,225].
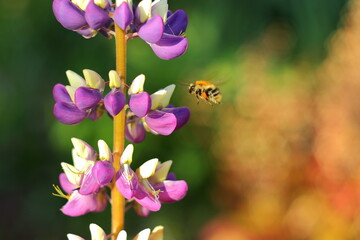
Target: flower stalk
[118,201]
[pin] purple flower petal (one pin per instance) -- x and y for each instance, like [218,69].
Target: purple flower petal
[171,191]
[61,94]
[68,14]
[126,181]
[140,210]
[114,102]
[182,115]
[86,32]
[176,23]
[171,176]
[96,112]
[161,122]
[81,204]
[89,185]
[147,201]
[135,132]
[103,171]
[123,16]
[96,16]
[152,30]
[67,186]
[170,47]
[86,98]
[67,113]
[140,104]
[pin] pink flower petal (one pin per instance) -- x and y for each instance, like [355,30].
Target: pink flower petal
[161,122]
[171,191]
[152,30]
[140,104]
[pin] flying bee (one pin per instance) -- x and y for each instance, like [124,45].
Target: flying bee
[206,91]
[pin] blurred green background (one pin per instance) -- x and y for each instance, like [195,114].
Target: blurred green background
[35,52]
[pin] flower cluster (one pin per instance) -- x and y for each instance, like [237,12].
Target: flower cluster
[97,233]
[150,185]
[84,182]
[83,99]
[162,29]
[152,113]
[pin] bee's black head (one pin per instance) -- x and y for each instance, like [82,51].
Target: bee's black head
[191,88]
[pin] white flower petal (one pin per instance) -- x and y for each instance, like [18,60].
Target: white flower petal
[148,168]
[97,233]
[83,149]
[71,236]
[101,3]
[144,10]
[81,3]
[169,91]
[79,163]
[72,174]
[157,233]
[114,79]
[122,235]
[160,7]
[126,156]
[71,90]
[162,170]
[143,235]
[75,79]
[137,85]
[157,99]
[93,79]
[104,150]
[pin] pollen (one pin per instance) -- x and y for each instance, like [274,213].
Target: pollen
[150,189]
[60,193]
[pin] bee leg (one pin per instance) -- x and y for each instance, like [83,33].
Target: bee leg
[197,97]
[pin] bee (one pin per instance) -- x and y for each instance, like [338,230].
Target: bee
[206,91]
